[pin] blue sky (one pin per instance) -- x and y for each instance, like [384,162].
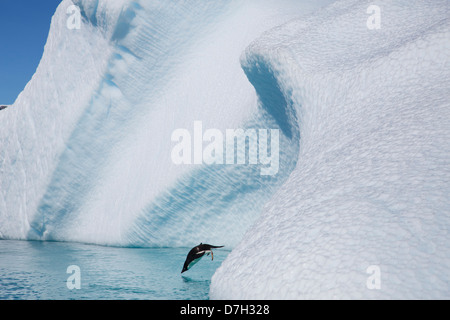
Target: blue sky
[24,26]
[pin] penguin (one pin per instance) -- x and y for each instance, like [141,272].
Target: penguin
[197,253]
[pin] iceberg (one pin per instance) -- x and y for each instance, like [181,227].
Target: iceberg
[358,92]
[365,214]
[86,148]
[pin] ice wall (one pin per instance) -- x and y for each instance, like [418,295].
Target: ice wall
[34,131]
[85,149]
[366,212]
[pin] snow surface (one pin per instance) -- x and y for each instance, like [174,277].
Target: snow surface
[372,182]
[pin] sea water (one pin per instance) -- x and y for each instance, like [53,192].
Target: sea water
[61,271]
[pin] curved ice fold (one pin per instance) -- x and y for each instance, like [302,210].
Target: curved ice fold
[366,212]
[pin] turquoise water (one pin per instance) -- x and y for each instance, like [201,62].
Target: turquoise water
[38,270]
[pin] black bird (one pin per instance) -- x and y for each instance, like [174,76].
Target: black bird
[197,253]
